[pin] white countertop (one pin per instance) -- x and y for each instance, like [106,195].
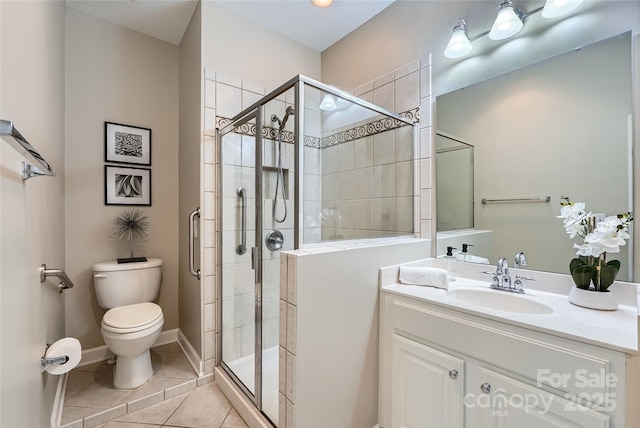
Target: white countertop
[616,330]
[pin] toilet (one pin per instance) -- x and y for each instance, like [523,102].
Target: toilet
[133,322]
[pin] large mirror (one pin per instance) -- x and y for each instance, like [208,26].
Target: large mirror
[560,127]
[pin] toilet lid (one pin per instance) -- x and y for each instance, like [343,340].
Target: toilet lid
[138,316]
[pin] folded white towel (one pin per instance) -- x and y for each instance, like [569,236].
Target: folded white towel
[431,276]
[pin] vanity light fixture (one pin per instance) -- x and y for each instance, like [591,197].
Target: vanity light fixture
[328,103]
[557,8]
[508,23]
[459,45]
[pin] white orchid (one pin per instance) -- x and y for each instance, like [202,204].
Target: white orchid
[607,236]
[574,217]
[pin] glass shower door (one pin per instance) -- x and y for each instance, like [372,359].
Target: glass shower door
[240,282]
[257,210]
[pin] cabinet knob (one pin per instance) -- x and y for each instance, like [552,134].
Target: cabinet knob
[485,387]
[453,374]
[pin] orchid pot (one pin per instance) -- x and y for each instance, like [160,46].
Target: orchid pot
[593,273]
[590,270]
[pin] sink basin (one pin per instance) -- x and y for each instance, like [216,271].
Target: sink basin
[499,300]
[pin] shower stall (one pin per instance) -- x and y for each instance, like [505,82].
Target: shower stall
[304,165]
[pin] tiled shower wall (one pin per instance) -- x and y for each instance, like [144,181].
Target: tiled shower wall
[358,172]
[406,91]
[397,91]
[368,186]
[402,90]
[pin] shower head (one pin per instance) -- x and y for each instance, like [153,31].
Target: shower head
[289,111]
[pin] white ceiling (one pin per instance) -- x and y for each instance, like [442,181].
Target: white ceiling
[163,19]
[296,19]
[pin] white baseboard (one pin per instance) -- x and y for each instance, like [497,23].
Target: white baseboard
[58,402]
[101,353]
[191,354]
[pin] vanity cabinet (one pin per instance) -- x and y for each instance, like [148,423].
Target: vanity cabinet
[443,368]
[426,385]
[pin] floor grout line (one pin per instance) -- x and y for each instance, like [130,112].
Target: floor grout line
[175,365]
[124,400]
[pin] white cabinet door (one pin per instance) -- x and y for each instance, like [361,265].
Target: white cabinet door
[427,386]
[506,402]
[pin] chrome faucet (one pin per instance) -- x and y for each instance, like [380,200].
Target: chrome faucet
[520,260]
[502,278]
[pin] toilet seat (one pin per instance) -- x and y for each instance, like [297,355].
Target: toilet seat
[132,318]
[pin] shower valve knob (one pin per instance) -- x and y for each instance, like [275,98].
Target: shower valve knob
[274,240]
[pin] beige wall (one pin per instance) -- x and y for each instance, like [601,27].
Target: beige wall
[32,211]
[243,49]
[190,305]
[118,75]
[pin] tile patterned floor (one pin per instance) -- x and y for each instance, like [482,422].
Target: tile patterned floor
[174,397]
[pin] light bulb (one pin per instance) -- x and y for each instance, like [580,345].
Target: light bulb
[321,3]
[328,103]
[459,44]
[508,22]
[557,8]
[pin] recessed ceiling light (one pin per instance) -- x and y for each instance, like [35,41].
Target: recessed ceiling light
[321,3]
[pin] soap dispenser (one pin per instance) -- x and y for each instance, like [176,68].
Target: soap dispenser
[464,255]
[450,263]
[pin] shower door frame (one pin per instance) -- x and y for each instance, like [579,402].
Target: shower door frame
[256,111]
[256,252]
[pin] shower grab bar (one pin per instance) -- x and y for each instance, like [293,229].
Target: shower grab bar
[20,144]
[242,192]
[65,282]
[192,237]
[538,199]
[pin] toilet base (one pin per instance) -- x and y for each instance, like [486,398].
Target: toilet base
[132,372]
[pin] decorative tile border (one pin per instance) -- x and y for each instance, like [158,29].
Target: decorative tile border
[369,129]
[362,131]
[250,129]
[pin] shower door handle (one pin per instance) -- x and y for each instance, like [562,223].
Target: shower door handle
[242,192]
[192,237]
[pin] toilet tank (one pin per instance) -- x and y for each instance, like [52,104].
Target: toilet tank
[120,284]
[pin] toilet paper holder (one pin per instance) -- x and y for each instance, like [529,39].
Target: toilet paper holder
[46,362]
[65,282]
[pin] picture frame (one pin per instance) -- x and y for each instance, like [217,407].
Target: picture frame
[127,144]
[127,186]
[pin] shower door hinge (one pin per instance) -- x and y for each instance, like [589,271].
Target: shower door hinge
[254,258]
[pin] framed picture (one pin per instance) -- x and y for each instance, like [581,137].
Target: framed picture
[127,186]
[127,144]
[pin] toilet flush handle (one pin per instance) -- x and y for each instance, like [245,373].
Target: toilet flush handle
[99,275]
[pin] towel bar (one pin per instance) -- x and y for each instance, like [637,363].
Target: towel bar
[23,147]
[537,199]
